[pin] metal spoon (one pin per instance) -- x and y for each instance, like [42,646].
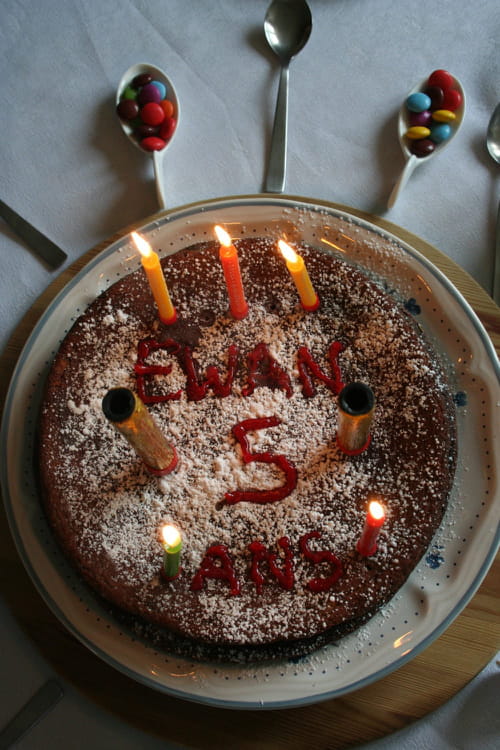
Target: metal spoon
[157,156]
[287,27]
[493,146]
[413,161]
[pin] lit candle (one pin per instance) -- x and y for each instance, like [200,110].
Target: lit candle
[375,517]
[297,267]
[125,410]
[356,407]
[151,264]
[172,545]
[231,267]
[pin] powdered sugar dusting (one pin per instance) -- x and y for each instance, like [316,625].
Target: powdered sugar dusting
[108,510]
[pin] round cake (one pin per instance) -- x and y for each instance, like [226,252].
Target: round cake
[270,504]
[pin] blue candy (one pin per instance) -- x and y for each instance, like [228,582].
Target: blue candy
[440,132]
[418,102]
[161,88]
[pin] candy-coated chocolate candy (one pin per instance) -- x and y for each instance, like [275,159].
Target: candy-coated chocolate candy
[162,89]
[129,93]
[142,80]
[128,109]
[452,99]
[149,93]
[443,115]
[167,107]
[440,132]
[436,95]
[167,128]
[441,78]
[144,131]
[419,118]
[418,102]
[417,131]
[153,143]
[152,114]
[422,147]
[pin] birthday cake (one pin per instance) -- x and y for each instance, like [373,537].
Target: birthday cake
[269,499]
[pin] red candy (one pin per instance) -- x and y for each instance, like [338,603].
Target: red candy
[152,114]
[167,128]
[452,100]
[441,78]
[152,143]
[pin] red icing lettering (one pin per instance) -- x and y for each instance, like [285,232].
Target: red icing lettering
[263,369]
[216,564]
[145,373]
[285,576]
[321,556]
[306,362]
[197,390]
[240,432]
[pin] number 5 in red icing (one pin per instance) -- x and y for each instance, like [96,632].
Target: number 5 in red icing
[240,432]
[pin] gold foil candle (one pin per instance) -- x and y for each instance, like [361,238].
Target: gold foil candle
[356,404]
[125,410]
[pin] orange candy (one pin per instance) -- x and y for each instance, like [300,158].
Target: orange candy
[167,107]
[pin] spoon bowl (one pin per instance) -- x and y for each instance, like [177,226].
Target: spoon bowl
[128,128]
[493,146]
[413,161]
[287,26]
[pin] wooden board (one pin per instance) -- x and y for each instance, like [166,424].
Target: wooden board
[392,703]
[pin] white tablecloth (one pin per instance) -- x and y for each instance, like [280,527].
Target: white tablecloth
[67,168]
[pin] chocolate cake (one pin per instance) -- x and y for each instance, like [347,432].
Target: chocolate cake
[270,506]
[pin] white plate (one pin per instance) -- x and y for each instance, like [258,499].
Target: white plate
[440,586]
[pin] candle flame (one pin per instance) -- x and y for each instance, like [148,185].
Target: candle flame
[376,510]
[222,236]
[142,245]
[288,253]
[171,535]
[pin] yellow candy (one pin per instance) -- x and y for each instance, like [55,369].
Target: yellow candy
[417,131]
[443,115]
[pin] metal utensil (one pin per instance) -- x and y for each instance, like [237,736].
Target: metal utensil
[157,156]
[38,242]
[287,27]
[32,711]
[493,146]
[413,161]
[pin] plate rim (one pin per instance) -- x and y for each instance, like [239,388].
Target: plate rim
[110,247]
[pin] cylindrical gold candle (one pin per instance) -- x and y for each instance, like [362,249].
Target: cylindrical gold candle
[128,414]
[356,406]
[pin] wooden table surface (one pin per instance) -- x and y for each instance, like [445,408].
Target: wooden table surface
[409,693]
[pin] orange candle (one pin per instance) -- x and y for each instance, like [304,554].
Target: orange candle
[297,267]
[151,264]
[231,267]
[375,517]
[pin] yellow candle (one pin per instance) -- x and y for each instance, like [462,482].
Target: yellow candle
[172,545]
[231,267]
[297,267]
[151,264]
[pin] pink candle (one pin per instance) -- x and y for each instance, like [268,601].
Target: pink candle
[375,517]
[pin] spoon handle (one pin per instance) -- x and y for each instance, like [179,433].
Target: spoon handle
[275,182]
[403,179]
[157,163]
[496,262]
